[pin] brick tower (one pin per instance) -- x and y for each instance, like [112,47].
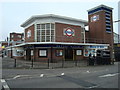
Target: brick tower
[100,25]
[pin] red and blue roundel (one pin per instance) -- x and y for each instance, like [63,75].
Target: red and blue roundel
[69,32]
[94,18]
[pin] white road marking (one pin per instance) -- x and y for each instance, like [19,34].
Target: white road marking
[20,76]
[16,77]
[41,75]
[4,84]
[62,74]
[88,71]
[109,75]
[2,80]
[93,86]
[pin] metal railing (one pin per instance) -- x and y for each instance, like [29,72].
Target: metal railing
[15,63]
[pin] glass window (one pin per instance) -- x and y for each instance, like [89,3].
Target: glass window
[52,26]
[12,36]
[48,26]
[45,32]
[52,32]
[20,52]
[38,32]
[59,52]
[38,26]
[42,26]
[43,39]
[31,52]
[43,53]
[52,38]
[19,36]
[78,52]
[47,38]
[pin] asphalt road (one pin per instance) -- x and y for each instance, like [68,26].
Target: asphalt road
[104,76]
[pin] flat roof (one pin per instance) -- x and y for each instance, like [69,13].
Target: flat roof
[33,18]
[60,43]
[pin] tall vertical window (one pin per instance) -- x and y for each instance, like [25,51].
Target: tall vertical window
[46,32]
[108,22]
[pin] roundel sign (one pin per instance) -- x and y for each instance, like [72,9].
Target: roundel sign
[94,18]
[69,32]
[29,33]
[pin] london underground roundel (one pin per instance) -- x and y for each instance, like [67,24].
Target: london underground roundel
[29,33]
[69,32]
[95,18]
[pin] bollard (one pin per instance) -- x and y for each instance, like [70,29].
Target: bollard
[48,63]
[2,56]
[75,62]
[62,63]
[15,63]
[32,63]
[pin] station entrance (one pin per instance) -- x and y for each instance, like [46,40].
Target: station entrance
[68,54]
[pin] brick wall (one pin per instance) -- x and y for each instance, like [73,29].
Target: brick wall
[98,29]
[31,30]
[54,57]
[16,36]
[60,37]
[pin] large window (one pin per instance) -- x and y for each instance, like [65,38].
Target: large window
[59,52]
[42,53]
[78,52]
[46,32]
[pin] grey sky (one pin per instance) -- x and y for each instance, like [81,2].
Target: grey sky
[13,14]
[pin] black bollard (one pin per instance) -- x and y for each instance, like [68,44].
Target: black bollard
[32,63]
[48,63]
[62,63]
[15,63]
[75,62]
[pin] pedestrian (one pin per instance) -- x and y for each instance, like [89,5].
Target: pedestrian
[90,59]
[94,60]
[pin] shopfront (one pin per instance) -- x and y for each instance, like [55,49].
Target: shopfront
[57,51]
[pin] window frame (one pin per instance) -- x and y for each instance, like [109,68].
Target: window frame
[47,32]
[46,53]
[59,52]
[77,53]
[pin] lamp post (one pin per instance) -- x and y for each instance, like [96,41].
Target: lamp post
[83,32]
[117,21]
[112,50]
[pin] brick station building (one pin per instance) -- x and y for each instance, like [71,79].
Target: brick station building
[16,36]
[57,37]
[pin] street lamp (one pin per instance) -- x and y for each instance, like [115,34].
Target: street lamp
[118,30]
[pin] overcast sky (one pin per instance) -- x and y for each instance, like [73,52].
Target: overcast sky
[13,14]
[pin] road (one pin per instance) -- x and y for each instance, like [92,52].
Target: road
[104,76]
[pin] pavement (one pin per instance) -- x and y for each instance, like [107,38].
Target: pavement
[88,77]
[10,63]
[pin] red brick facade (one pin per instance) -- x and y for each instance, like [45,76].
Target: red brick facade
[31,31]
[16,36]
[50,55]
[59,33]
[97,29]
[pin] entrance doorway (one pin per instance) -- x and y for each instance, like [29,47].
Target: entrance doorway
[68,53]
[28,54]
